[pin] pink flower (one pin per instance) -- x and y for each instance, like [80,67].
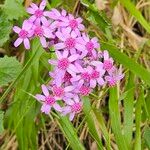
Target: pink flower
[43,32]
[113,77]
[73,23]
[74,106]
[108,62]
[96,76]
[24,34]
[37,12]
[90,45]
[61,92]
[48,101]
[68,41]
[55,14]
[83,76]
[64,63]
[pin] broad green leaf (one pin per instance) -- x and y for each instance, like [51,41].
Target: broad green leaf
[147,136]
[129,63]
[115,119]
[138,110]
[9,70]
[136,13]
[70,133]
[14,9]
[1,121]
[90,121]
[5,28]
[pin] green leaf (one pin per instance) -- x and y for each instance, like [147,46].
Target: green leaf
[136,13]
[129,63]
[147,136]
[97,18]
[1,121]
[128,110]
[101,124]
[115,119]
[55,3]
[14,9]
[5,28]
[138,110]
[90,121]
[9,70]
[70,133]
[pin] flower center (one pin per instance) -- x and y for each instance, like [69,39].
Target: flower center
[89,46]
[112,82]
[49,100]
[23,34]
[38,31]
[73,24]
[67,77]
[76,107]
[107,64]
[38,13]
[84,90]
[70,43]
[63,63]
[95,74]
[85,76]
[58,91]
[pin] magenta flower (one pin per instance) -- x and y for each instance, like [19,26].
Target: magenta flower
[43,32]
[64,63]
[91,45]
[84,75]
[68,41]
[74,106]
[48,101]
[24,34]
[37,12]
[108,62]
[55,14]
[62,92]
[113,77]
[73,23]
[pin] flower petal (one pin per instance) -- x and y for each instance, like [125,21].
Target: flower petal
[46,108]
[45,90]
[71,116]
[18,42]
[40,97]
[43,42]
[59,46]
[42,5]
[26,43]
[57,107]
[16,29]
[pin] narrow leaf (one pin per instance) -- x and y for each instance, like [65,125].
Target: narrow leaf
[115,119]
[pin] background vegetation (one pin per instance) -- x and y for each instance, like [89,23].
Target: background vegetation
[113,118]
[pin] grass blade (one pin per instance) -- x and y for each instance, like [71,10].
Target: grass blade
[115,119]
[128,110]
[101,124]
[139,102]
[70,133]
[90,122]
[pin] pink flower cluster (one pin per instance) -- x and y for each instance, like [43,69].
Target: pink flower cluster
[79,65]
